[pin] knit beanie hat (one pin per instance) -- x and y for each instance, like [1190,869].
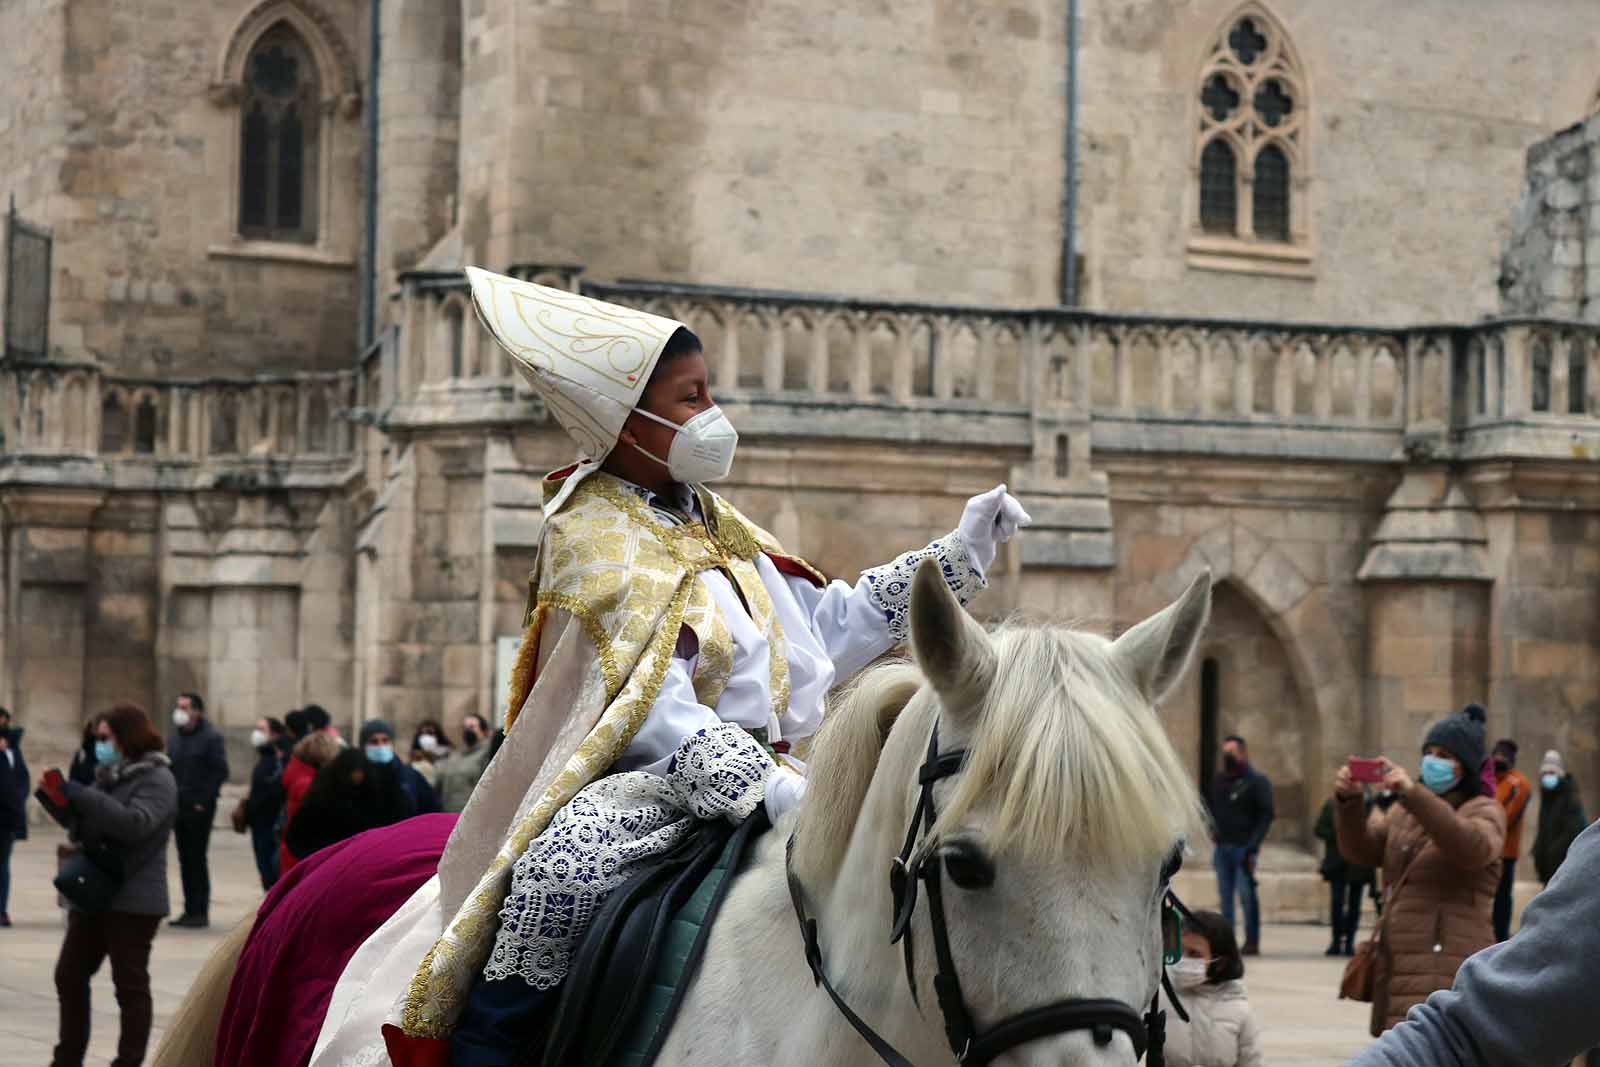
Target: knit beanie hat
[1461,735]
[1553,764]
[375,726]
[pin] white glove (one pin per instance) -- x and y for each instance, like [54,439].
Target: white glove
[783,791]
[990,520]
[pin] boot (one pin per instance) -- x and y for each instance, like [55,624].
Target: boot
[1337,945]
[1349,946]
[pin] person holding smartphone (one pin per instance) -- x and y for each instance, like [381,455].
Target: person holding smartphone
[1439,850]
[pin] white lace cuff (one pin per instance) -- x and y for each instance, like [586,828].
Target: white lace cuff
[890,584]
[720,772]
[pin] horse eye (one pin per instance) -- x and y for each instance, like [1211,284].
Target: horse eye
[967,866]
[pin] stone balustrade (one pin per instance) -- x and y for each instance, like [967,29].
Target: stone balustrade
[793,364]
[973,375]
[80,410]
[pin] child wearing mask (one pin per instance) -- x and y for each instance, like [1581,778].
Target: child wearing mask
[1209,980]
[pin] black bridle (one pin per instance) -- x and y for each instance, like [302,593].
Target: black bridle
[971,1046]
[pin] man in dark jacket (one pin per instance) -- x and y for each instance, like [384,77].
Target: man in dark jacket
[200,765]
[1346,882]
[1561,817]
[1241,811]
[264,803]
[13,806]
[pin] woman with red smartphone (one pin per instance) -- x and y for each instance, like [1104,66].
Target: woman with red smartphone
[1440,853]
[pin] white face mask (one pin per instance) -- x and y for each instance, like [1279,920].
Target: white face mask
[180,718]
[1188,973]
[703,449]
[258,738]
[428,743]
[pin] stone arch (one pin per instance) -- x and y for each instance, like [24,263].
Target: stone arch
[336,63]
[1296,613]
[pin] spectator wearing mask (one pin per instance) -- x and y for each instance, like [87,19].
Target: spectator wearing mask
[131,809]
[81,769]
[1440,852]
[310,754]
[459,774]
[1346,883]
[1241,811]
[1529,1000]
[1561,817]
[429,747]
[351,794]
[200,765]
[264,803]
[1512,792]
[1209,981]
[377,742]
[13,805]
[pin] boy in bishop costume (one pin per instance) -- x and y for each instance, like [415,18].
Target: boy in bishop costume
[673,652]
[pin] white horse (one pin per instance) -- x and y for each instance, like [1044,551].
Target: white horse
[1071,804]
[1054,839]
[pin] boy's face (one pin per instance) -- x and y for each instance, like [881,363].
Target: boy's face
[679,390]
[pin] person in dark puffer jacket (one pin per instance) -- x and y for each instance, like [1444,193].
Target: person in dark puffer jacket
[1561,817]
[131,809]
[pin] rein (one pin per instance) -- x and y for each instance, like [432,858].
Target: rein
[1101,1016]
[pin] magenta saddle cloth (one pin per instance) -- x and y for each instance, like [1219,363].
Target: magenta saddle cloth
[307,929]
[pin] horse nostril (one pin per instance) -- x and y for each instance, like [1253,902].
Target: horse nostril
[1102,1034]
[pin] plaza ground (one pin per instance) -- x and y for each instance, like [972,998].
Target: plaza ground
[1292,987]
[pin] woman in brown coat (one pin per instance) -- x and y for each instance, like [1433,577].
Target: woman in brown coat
[1443,837]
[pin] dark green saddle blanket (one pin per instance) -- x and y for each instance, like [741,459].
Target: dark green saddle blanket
[642,951]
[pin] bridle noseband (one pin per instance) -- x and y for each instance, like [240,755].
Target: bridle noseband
[971,1046]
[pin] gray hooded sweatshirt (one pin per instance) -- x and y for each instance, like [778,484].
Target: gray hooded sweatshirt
[1528,1001]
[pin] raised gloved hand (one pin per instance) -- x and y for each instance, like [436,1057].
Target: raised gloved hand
[990,520]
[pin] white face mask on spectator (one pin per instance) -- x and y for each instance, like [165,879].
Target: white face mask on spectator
[258,738]
[180,718]
[428,743]
[1189,973]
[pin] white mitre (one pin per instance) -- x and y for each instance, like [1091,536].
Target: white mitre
[588,359]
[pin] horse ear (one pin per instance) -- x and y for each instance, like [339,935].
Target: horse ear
[1156,652]
[953,651]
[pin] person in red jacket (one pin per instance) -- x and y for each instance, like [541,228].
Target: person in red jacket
[1512,790]
[310,754]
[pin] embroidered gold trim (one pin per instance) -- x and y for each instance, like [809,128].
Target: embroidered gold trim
[589,619]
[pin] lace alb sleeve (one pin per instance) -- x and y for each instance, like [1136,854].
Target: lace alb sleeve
[890,584]
[720,772]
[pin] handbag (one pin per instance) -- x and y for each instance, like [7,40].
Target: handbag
[239,817]
[91,878]
[1360,979]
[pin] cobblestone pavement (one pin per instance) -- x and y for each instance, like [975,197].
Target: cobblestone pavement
[1293,987]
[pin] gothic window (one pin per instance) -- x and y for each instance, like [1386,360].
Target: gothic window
[278,139]
[1251,148]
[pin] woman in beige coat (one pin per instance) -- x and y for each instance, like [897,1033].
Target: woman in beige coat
[1440,852]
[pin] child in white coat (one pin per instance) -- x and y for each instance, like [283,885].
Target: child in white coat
[1220,1032]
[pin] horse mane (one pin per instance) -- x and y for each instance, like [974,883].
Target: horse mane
[842,760]
[1067,757]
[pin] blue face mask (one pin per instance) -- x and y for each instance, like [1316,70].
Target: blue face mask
[105,752]
[1549,781]
[1439,774]
[380,753]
